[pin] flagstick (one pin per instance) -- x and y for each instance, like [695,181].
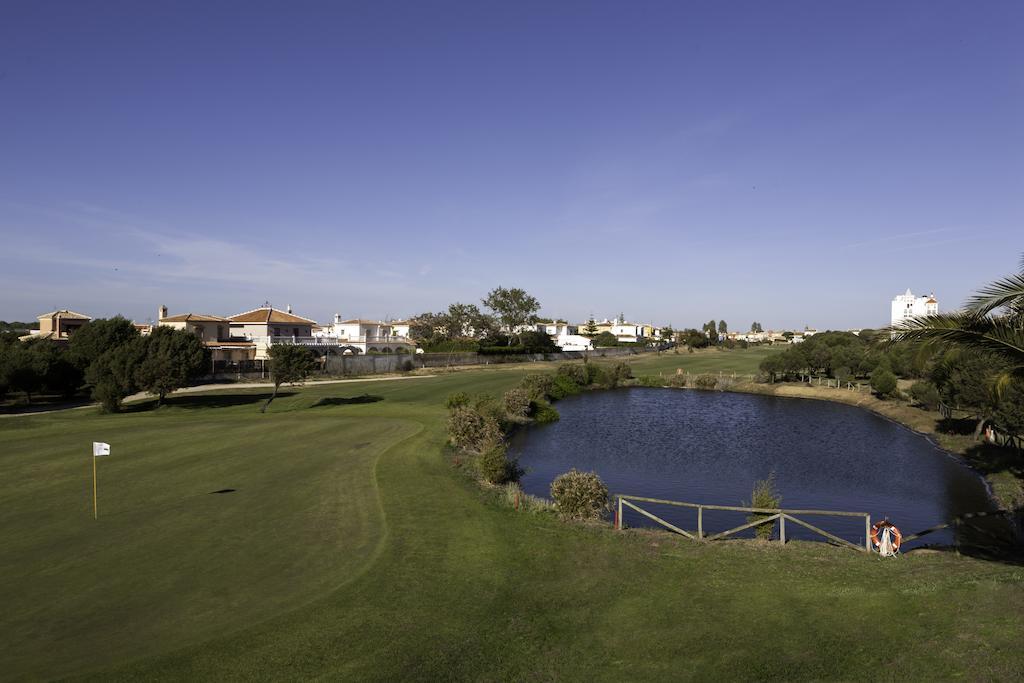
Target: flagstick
[95,508]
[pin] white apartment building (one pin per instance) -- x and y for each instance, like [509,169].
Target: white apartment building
[906,306]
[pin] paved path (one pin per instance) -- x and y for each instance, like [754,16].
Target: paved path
[220,387]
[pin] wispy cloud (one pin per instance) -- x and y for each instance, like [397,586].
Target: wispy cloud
[897,238]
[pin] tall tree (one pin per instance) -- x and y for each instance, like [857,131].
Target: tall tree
[99,336]
[111,377]
[723,328]
[171,359]
[755,327]
[591,329]
[289,364]
[514,308]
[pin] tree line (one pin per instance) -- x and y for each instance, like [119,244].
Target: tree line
[465,327]
[107,358]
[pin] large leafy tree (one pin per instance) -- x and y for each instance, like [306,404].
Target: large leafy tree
[99,336]
[172,358]
[111,377]
[992,323]
[513,307]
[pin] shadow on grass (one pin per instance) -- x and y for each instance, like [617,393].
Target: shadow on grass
[194,402]
[961,426]
[1004,469]
[343,401]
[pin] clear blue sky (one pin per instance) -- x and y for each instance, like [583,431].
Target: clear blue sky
[791,163]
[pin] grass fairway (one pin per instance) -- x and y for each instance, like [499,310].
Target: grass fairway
[350,549]
[712,361]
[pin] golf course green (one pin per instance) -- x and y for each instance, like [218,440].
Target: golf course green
[333,539]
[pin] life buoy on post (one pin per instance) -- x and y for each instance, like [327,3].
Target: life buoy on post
[886,537]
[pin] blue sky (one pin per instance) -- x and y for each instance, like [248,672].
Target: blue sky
[791,163]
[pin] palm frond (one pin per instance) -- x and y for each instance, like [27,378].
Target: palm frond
[1006,292]
[989,334]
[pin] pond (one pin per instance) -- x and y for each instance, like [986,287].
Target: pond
[710,447]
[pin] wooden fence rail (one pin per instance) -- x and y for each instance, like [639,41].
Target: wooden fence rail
[772,514]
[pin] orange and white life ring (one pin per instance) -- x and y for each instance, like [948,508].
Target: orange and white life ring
[894,534]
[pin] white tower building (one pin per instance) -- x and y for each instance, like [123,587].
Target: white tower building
[906,305]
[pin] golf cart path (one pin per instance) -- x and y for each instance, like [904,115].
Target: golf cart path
[221,387]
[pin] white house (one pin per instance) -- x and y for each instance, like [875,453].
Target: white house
[906,306]
[266,326]
[368,336]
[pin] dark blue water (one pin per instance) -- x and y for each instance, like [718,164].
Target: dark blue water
[710,447]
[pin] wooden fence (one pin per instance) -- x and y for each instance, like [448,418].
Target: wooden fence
[771,514]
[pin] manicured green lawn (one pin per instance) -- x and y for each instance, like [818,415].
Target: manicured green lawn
[713,361]
[350,549]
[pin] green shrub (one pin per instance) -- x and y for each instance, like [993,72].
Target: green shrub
[843,374]
[883,382]
[459,398]
[493,409]
[576,373]
[503,350]
[451,346]
[621,371]
[651,381]
[579,495]
[538,386]
[925,394]
[596,375]
[472,431]
[705,382]
[517,402]
[562,387]
[494,466]
[514,496]
[764,495]
[544,413]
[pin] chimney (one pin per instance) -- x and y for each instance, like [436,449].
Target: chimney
[161,313]
[337,318]
[289,308]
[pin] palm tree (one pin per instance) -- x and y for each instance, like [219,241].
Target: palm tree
[992,322]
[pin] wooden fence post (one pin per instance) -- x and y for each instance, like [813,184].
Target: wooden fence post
[867,533]
[782,529]
[700,523]
[618,518]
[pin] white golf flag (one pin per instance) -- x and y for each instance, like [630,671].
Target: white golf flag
[100,448]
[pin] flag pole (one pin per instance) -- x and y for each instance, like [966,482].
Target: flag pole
[95,507]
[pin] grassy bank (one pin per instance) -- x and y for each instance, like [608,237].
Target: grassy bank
[345,546]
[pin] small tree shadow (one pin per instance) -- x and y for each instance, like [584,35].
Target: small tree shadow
[344,401]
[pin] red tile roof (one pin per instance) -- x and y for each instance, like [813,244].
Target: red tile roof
[269,315]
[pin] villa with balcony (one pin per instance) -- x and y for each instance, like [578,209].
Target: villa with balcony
[266,326]
[214,332]
[356,336]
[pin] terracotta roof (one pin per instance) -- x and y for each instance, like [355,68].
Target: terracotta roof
[931,300]
[65,314]
[194,317]
[269,315]
[360,321]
